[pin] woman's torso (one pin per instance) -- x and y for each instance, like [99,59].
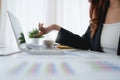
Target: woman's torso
[110,37]
[111,31]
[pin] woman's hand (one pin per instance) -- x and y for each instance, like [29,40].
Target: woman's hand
[45,30]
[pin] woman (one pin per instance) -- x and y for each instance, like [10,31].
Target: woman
[103,33]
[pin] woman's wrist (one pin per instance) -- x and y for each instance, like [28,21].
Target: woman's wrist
[56,27]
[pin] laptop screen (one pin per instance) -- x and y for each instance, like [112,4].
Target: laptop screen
[16,29]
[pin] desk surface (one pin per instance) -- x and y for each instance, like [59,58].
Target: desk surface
[74,65]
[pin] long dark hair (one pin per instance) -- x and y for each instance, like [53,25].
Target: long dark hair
[97,8]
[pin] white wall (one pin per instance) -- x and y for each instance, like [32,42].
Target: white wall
[70,14]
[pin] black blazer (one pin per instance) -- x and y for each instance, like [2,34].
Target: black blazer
[85,42]
[66,37]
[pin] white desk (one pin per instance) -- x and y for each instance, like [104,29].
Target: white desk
[74,65]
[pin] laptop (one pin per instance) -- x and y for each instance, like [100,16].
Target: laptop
[29,48]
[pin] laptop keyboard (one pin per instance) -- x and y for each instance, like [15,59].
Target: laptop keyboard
[44,51]
[40,50]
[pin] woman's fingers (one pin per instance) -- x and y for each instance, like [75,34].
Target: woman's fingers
[40,26]
[41,33]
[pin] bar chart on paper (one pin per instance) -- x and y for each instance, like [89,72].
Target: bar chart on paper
[40,68]
[45,69]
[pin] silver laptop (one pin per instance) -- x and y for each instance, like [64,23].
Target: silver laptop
[21,42]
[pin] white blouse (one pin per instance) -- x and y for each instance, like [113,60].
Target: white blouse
[110,37]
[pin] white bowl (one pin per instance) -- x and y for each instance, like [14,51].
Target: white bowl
[48,43]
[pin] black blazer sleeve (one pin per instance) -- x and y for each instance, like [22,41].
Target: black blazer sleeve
[66,37]
[118,53]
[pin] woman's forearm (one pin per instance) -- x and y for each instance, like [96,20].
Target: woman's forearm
[56,27]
